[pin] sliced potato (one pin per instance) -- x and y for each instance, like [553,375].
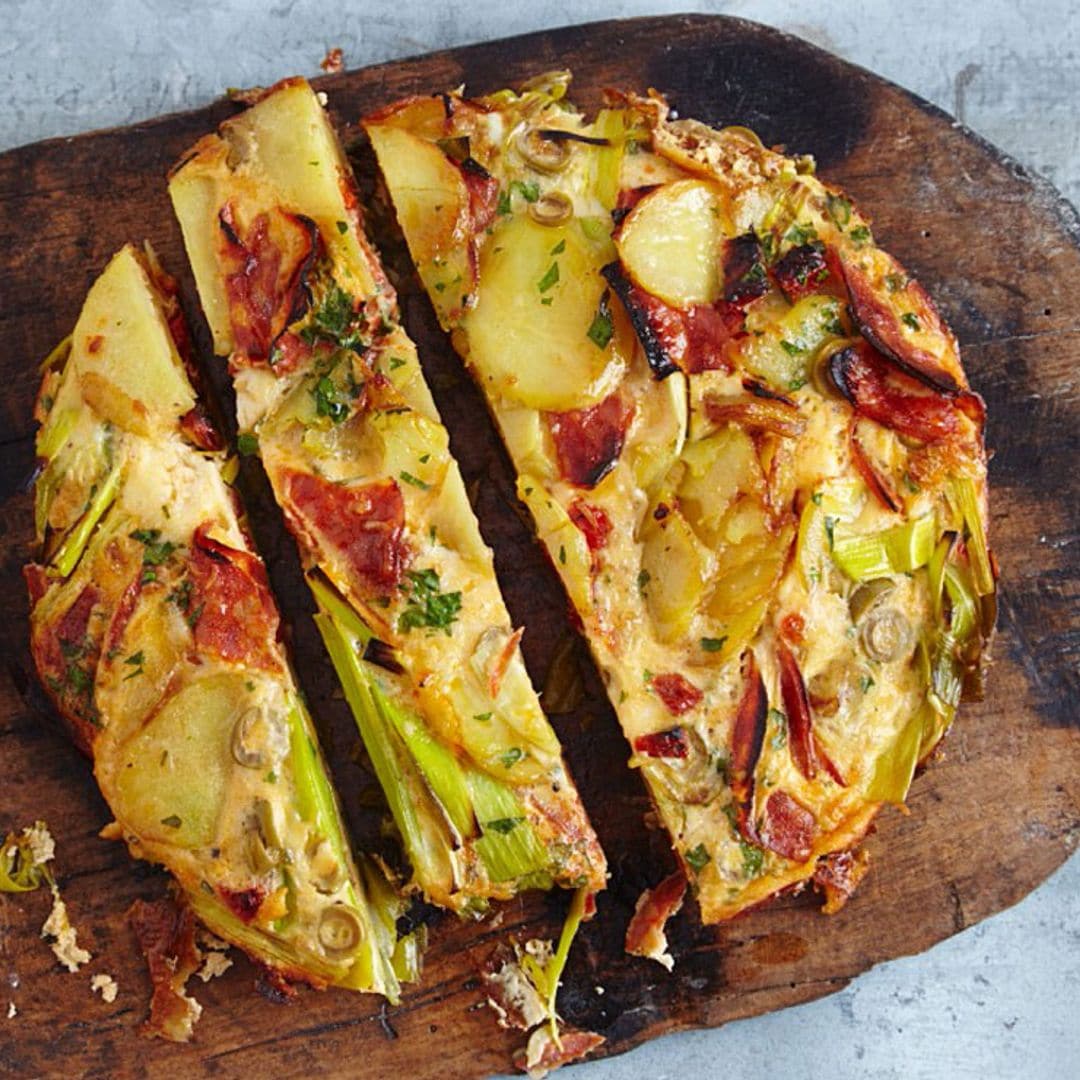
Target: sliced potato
[718,469]
[781,350]
[432,204]
[678,566]
[671,244]
[529,332]
[189,737]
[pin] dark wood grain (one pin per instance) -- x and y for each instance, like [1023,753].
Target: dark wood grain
[988,822]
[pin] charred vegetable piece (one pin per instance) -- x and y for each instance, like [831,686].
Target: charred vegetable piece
[801,271]
[747,739]
[745,277]
[658,327]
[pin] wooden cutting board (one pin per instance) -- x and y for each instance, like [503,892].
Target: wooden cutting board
[1000,252]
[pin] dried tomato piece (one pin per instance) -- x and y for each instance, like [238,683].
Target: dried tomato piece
[787,827]
[663,744]
[588,442]
[231,609]
[893,400]
[679,695]
[747,738]
[594,524]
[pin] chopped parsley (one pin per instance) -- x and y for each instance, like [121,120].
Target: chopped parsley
[697,858]
[135,661]
[791,348]
[712,644]
[550,278]
[528,189]
[911,321]
[504,825]
[395,362]
[839,210]
[414,480]
[427,606]
[865,683]
[247,444]
[342,227]
[511,757]
[155,550]
[860,234]
[753,859]
[643,579]
[895,282]
[173,821]
[559,248]
[601,329]
[798,234]
[483,717]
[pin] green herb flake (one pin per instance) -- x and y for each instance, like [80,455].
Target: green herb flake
[328,400]
[155,550]
[427,606]
[816,498]
[550,278]
[342,227]
[511,757]
[798,234]
[860,234]
[483,717]
[753,859]
[395,362]
[562,554]
[414,480]
[503,825]
[779,722]
[643,579]
[791,348]
[712,644]
[503,205]
[601,328]
[271,777]
[135,660]
[247,444]
[559,248]
[172,821]
[697,858]
[895,282]
[839,209]
[865,683]
[910,321]
[528,189]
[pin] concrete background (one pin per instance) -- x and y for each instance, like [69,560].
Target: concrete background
[999,1000]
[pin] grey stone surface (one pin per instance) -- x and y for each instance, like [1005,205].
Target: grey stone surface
[999,1000]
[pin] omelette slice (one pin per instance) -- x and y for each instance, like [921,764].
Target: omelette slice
[747,442]
[330,394]
[155,633]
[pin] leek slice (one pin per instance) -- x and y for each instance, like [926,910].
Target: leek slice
[899,550]
[75,542]
[963,490]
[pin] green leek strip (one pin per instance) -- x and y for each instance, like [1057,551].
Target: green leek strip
[441,768]
[547,977]
[895,767]
[936,572]
[467,796]
[54,433]
[426,837]
[963,600]
[316,805]
[898,550]
[968,503]
[57,357]
[510,848]
[75,542]
[331,601]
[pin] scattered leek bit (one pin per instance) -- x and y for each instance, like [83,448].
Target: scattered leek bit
[898,550]
[23,859]
[546,976]
[75,542]
[610,124]
[895,768]
[58,356]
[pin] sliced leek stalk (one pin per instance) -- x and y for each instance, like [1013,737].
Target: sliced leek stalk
[329,388]
[154,632]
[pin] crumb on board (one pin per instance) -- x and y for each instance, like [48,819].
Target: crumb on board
[106,986]
[12,1012]
[60,934]
[216,963]
[333,61]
